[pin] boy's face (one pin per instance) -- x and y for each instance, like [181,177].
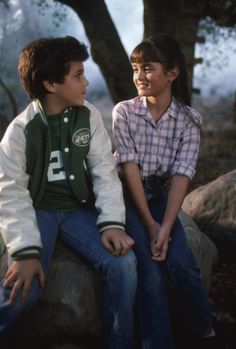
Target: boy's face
[73,90]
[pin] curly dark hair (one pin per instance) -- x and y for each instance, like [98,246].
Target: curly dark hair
[48,59]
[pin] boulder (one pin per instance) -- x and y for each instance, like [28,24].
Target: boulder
[73,291]
[74,288]
[213,208]
[204,250]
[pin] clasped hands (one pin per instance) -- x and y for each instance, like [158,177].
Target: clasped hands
[160,238]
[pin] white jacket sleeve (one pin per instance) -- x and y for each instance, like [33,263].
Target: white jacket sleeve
[102,168]
[18,224]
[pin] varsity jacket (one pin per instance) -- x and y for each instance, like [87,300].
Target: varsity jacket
[24,159]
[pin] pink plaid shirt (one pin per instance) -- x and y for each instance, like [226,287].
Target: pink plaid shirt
[168,147]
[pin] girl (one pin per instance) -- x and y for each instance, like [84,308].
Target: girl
[157,139]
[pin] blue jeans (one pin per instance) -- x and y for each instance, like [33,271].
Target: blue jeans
[179,265]
[78,230]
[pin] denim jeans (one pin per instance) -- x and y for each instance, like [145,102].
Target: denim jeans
[179,265]
[78,230]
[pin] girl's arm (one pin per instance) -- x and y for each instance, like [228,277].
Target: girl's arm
[177,192]
[182,171]
[135,187]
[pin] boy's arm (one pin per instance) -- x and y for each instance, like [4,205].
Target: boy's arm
[18,223]
[106,184]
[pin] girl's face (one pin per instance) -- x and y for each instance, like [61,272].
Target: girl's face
[151,80]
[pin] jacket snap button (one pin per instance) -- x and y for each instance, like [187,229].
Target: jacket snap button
[66,149]
[66,119]
[72,177]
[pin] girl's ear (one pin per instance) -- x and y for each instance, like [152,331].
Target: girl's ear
[49,86]
[172,74]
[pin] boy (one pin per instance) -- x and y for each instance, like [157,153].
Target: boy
[58,179]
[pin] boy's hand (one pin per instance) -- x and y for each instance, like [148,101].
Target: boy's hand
[20,275]
[116,241]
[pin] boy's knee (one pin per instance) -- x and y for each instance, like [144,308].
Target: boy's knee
[128,263]
[122,268]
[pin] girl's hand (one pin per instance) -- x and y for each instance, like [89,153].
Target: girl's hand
[159,246]
[159,241]
[153,230]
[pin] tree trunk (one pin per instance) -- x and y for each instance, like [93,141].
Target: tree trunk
[106,47]
[179,19]
[234,109]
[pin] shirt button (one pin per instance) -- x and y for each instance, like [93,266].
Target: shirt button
[83,201]
[72,177]
[66,119]
[66,150]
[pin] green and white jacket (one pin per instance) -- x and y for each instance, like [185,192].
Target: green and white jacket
[24,159]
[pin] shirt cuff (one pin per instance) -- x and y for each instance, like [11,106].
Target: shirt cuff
[110,225]
[32,252]
[183,170]
[126,157]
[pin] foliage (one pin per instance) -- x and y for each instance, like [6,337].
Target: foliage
[5,3]
[223,12]
[59,13]
[219,40]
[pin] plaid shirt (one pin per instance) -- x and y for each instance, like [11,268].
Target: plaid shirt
[168,147]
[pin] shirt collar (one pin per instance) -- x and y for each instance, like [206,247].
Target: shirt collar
[172,110]
[142,109]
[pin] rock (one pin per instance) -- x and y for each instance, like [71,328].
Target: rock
[202,247]
[73,291]
[66,346]
[71,306]
[213,208]
[75,288]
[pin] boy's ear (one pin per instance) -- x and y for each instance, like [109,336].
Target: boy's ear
[172,74]
[49,86]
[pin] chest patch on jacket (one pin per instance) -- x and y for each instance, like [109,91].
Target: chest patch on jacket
[81,137]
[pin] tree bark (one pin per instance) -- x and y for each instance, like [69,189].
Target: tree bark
[106,47]
[179,19]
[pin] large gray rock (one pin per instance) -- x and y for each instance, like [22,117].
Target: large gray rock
[73,291]
[213,208]
[203,248]
[75,288]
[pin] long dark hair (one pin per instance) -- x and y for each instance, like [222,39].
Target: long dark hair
[165,50]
